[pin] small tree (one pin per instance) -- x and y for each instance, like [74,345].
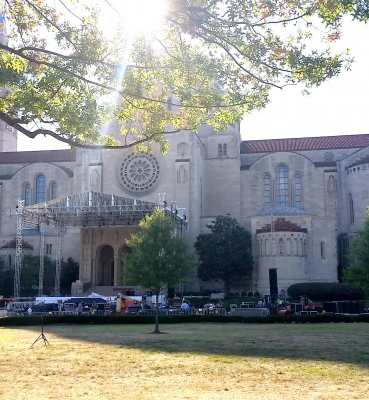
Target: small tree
[159,258]
[358,273]
[225,252]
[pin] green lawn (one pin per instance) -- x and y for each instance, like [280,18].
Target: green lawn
[190,361]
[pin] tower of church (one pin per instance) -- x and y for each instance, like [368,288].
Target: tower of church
[8,135]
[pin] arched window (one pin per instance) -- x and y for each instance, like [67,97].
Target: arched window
[288,247]
[280,247]
[224,149]
[282,186]
[297,183]
[295,248]
[266,191]
[267,247]
[322,250]
[27,194]
[351,204]
[305,248]
[301,248]
[53,190]
[40,189]
[219,150]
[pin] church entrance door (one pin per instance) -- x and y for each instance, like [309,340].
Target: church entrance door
[105,272]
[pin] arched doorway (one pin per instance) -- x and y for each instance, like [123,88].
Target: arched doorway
[123,270]
[105,272]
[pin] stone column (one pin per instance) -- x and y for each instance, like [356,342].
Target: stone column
[93,271]
[116,271]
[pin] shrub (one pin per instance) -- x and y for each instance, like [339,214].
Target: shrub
[236,294]
[250,294]
[256,294]
[199,301]
[325,291]
[243,294]
[172,319]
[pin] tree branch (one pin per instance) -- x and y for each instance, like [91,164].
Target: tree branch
[106,87]
[32,134]
[50,22]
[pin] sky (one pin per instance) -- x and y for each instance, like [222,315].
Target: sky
[337,107]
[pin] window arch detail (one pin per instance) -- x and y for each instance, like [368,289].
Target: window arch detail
[267,191]
[53,191]
[351,205]
[297,190]
[40,189]
[27,194]
[281,247]
[282,186]
[288,247]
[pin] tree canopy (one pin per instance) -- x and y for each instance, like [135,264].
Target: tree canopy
[358,272]
[224,253]
[159,258]
[68,67]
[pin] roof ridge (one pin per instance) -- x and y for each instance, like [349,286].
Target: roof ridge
[305,143]
[308,137]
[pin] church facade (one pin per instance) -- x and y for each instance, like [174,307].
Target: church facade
[302,200]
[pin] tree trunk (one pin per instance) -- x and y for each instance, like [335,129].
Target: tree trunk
[227,285]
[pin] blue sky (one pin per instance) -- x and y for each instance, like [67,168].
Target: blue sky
[338,107]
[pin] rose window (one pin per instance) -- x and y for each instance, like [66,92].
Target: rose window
[139,173]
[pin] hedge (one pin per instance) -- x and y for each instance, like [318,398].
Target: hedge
[325,291]
[174,319]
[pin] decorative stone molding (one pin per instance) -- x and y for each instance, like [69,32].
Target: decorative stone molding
[182,150]
[139,173]
[282,225]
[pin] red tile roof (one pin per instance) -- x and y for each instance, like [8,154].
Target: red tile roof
[282,225]
[21,157]
[309,143]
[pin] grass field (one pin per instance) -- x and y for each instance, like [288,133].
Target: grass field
[192,361]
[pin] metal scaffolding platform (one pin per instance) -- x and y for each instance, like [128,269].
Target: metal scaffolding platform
[89,209]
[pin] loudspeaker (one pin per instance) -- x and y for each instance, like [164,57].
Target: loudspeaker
[7,287]
[273,284]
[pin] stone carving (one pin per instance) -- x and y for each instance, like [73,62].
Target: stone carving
[331,184]
[182,175]
[95,179]
[328,156]
[182,150]
[139,173]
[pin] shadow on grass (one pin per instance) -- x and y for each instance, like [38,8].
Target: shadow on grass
[343,343]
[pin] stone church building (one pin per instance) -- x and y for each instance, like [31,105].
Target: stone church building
[308,194]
